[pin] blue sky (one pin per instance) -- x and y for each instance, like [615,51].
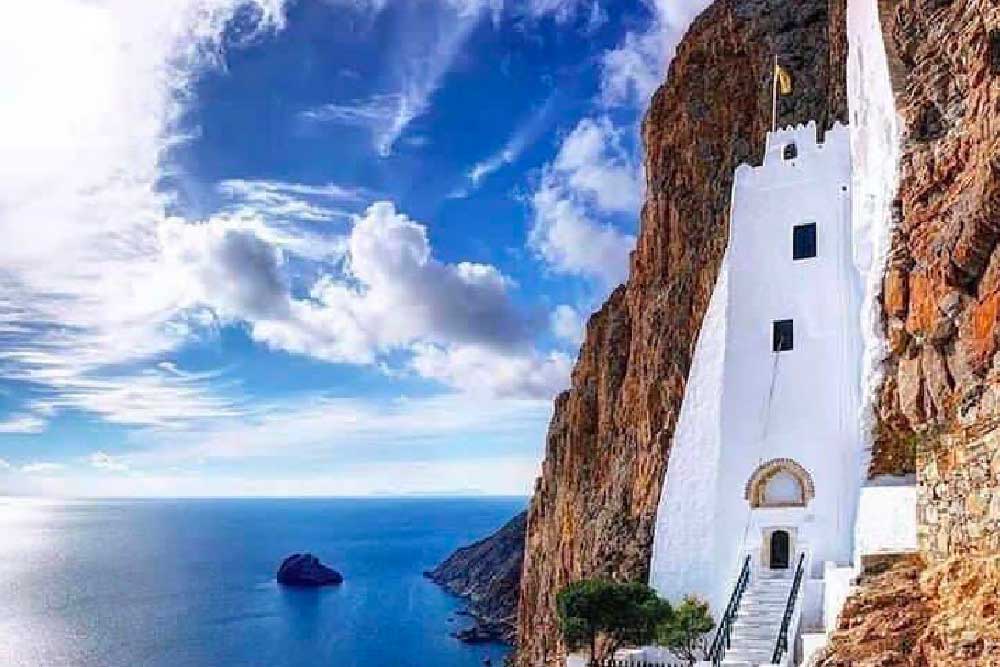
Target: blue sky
[322,247]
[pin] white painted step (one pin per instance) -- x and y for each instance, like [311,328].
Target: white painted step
[758,620]
[766,634]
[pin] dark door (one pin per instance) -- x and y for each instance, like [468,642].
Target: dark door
[779,550]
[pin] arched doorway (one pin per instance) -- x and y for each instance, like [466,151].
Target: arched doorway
[780,550]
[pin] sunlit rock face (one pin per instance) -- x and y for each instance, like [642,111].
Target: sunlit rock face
[940,297]
[908,614]
[594,508]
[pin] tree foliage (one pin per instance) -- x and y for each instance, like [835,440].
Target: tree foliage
[685,633]
[605,615]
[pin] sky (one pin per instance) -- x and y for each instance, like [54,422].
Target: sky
[308,247]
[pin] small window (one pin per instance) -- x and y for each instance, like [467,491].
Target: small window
[782,336]
[790,151]
[804,241]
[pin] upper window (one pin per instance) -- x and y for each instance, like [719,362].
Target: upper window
[782,336]
[804,241]
[789,151]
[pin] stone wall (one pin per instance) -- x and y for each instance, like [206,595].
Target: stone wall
[958,492]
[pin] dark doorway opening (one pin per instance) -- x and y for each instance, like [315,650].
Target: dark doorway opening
[779,550]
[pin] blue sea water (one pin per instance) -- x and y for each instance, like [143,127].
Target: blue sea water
[190,583]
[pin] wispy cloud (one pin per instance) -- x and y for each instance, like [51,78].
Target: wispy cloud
[525,135]
[23,423]
[279,200]
[341,432]
[42,468]
[348,446]
[103,461]
[435,34]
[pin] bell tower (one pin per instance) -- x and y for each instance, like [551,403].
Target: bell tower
[767,456]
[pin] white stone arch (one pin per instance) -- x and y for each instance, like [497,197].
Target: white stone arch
[780,483]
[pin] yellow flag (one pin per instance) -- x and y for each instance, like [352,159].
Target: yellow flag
[783,78]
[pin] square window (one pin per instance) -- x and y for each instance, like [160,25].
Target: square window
[804,241]
[782,336]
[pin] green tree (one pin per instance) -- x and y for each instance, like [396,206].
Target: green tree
[685,633]
[604,615]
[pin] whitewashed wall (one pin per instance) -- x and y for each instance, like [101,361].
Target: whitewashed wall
[875,131]
[727,427]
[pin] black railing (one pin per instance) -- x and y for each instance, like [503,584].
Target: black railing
[781,646]
[721,642]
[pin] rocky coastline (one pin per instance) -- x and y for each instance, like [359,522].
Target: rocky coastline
[487,574]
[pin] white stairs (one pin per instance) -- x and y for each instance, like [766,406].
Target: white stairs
[758,619]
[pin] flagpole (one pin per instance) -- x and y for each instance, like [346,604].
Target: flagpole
[774,95]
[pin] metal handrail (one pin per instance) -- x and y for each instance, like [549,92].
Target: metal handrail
[781,646]
[721,643]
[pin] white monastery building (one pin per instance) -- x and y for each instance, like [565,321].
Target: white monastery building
[767,459]
[765,511]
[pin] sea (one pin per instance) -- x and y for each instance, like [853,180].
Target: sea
[190,583]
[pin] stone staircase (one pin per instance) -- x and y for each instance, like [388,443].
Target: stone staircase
[758,619]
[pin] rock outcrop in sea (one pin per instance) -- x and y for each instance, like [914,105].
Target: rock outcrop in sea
[487,574]
[305,570]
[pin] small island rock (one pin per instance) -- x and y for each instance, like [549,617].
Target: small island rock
[306,570]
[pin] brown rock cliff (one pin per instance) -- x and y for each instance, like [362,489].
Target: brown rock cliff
[939,407]
[941,294]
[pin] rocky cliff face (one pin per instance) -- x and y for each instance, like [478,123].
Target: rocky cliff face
[941,295]
[488,574]
[912,615]
[594,506]
[939,407]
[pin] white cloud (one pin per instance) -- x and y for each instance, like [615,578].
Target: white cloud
[339,431]
[395,294]
[148,399]
[563,11]
[4,464]
[633,70]
[591,177]
[282,201]
[430,42]
[571,241]
[83,283]
[42,468]
[480,370]
[23,423]
[568,324]
[594,162]
[103,461]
